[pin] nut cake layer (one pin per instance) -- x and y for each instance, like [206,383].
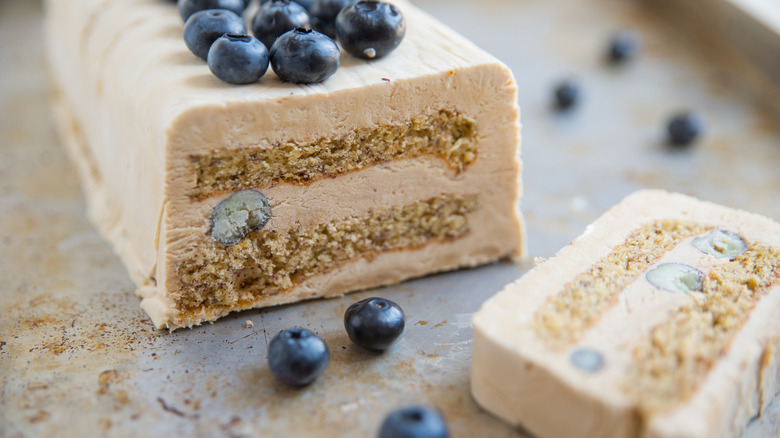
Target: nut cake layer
[158,142]
[591,343]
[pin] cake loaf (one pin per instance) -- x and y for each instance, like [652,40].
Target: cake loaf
[390,169]
[661,320]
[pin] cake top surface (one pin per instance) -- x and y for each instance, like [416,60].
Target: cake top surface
[146,54]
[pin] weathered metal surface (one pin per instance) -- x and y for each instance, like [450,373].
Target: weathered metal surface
[79,358]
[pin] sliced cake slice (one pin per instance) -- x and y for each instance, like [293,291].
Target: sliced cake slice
[661,320]
[220,197]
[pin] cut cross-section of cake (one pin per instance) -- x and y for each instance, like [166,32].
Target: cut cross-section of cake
[220,197]
[661,320]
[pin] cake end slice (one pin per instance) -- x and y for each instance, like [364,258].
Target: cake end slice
[660,320]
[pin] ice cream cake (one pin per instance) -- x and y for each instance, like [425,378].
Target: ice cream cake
[390,169]
[660,320]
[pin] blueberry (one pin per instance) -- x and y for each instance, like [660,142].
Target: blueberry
[587,359]
[189,7]
[238,214]
[414,422]
[204,27]
[567,94]
[374,323]
[720,244]
[370,29]
[277,17]
[304,56]
[683,129]
[676,277]
[623,47]
[297,356]
[305,3]
[323,15]
[238,59]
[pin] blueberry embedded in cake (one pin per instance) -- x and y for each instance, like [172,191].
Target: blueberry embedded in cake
[389,169]
[659,321]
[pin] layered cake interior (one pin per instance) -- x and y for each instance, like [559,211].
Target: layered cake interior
[659,321]
[220,197]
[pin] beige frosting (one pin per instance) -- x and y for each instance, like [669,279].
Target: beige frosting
[527,382]
[135,103]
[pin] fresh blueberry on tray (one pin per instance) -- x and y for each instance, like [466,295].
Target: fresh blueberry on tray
[683,129]
[323,15]
[277,17]
[238,59]
[204,27]
[623,47]
[370,29]
[189,7]
[374,323]
[297,356]
[414,422]
[567,95]
[304,56]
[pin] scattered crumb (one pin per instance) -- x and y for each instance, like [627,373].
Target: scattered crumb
[40,416]
[104,424]
[249,324]
[170,409]
[105,379]
[578,204]
[349,407]
[539,260]
[121,397]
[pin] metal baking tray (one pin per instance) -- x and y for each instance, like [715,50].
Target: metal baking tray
[78,357]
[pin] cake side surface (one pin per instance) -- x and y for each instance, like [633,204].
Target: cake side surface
[654,361]
[124,183]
